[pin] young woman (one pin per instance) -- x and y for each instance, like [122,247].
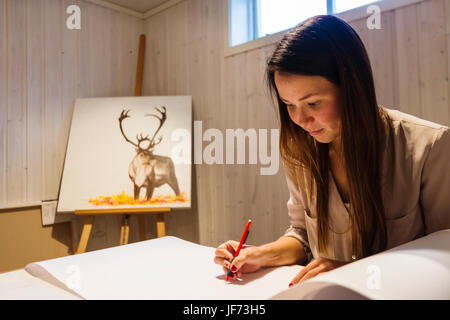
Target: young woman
[362,178]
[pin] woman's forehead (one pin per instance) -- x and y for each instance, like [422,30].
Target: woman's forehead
[301,85]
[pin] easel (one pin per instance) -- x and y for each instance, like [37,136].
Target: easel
[125,227]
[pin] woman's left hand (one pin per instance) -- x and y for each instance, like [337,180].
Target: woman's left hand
[316,267]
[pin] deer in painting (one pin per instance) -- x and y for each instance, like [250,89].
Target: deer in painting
[148,170]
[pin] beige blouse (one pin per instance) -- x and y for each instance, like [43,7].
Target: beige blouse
[416,192]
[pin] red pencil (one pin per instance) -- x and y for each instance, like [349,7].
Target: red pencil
[244,237]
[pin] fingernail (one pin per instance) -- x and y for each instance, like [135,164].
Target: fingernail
[290,284]
[233,268]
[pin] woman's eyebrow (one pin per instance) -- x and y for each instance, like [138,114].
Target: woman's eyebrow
[305,97]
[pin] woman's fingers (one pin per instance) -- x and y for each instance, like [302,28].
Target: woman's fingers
[247,261]
[222,262]
[224,252]
[239,261]
[314,268]
[312,273]
[306,270]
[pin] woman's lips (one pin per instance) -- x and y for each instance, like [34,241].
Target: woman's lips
[313,133]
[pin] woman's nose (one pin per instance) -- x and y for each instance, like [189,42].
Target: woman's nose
[299,116]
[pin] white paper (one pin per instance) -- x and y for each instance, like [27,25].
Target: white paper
[163,268]
[419,269]
[20,285]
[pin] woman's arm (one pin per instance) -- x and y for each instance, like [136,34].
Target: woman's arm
[284,251]
[435,184]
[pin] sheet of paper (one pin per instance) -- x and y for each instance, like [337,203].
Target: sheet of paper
[163,268]
[419,269]
[21,285]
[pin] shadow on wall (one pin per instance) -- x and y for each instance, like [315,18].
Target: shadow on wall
[23,239]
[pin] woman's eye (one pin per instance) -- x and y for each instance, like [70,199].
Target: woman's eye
[290,105]
[313,104]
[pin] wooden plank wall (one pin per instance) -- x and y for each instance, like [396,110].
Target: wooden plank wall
[44,66]
[410,56]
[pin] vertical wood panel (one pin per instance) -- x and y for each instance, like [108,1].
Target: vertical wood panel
[203,172]
[212,113]
[53,98]
[148,79]
[104,17]
[379,44]
[133,31]
[408,60]
[240,173]
[84,56]
[447,37]
[96,51]
[3,100]
[161,57]
[35,97]
[123,56]
[70,43]
[114,41]
[432,61]
[257,191]
[175,24]
[17,122]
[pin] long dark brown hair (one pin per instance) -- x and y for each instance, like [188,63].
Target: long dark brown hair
[327,46]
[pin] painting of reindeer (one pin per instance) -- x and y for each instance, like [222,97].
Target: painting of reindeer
[148,170]
[122,152]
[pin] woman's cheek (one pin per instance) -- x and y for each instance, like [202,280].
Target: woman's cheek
[330,117]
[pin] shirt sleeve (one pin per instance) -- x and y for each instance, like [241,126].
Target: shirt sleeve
[296,212]
[435,184]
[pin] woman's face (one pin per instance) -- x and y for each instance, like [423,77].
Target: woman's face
[312,103]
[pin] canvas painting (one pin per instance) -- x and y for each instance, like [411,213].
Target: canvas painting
[128,152]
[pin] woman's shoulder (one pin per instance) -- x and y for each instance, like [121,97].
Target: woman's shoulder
[398,117]
[411,129]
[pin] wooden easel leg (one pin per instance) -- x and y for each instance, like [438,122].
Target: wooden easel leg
[72,233]
[141,222]
[124,229]
[87,228]
[127,228]
[160,225]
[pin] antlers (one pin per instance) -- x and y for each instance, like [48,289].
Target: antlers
[124,115]
[152,142]
[161,122]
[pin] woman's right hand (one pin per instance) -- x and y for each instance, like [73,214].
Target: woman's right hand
[249,259]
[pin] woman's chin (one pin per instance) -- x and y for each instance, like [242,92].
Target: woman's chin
[322,139]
